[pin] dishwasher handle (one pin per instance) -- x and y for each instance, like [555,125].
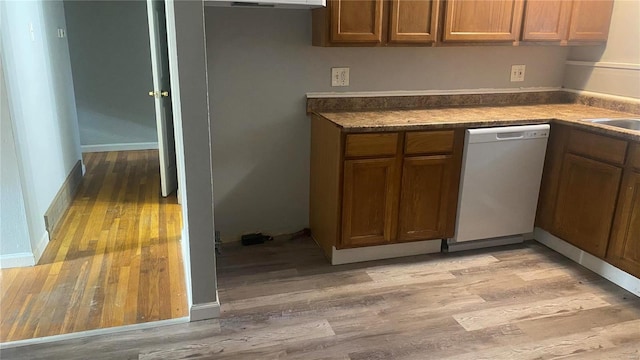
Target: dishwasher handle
[514,135]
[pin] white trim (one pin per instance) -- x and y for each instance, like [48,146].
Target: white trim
[17,260]
[176,105]
[604,96]
[40,247]
[604,64]
[369,253]
[320,95]
[103,331]
[186,261]
[119,147]
[599,266]
[210,310]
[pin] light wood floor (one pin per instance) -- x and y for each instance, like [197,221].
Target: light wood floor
[115,260]
[282,300]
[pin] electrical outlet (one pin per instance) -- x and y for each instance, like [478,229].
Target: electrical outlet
[517,73]
[340,76]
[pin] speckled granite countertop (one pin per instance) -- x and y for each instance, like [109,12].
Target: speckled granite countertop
[485,116]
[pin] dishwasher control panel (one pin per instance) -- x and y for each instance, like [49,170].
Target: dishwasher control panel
[536,134]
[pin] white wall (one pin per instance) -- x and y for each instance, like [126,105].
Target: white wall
[261,64]
[14,232]
[111,62]
[617,64]
[42,105]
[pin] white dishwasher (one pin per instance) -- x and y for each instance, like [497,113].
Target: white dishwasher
[499,185]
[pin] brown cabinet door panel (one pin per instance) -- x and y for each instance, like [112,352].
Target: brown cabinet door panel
[624,249]
[426,183]
[413,21]
[586,203]
[590,20]
[546,20]
[356,21]
[482,20]
[369,202]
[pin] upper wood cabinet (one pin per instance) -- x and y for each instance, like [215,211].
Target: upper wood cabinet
[546,20]
[375,22]
[590,20]
[413,21]
[356,21]
[482,20]
[566,20]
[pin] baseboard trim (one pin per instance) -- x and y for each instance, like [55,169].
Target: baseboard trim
[88,333]
[63,198]
[320,95]
[16,260]
[599,266]
[369,253]
[206,311]
[38,250]
[119,147]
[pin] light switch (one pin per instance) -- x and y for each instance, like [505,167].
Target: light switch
[340,76]
[517,73]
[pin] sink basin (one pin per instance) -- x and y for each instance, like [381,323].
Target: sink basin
[631,124]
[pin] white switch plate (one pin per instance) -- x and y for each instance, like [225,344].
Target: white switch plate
[340,76]
[61,33]
[517,73]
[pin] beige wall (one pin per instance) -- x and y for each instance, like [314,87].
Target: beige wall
[261,64]
[618,71]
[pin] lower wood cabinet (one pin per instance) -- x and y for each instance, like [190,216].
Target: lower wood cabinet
[424,197]
[369,202]
[624,247]
[382,187]
[590,195]
[586,203]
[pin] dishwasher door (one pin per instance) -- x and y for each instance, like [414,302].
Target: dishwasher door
[500,181]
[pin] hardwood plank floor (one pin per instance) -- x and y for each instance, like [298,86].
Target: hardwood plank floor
[115,259]
[282,300]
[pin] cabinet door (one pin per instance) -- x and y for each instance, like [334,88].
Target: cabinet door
[624,248]
[586,203]
[424,195]
[546,20]
[356,21]
[413,21]
[369,202]
[590,20]
[482,20]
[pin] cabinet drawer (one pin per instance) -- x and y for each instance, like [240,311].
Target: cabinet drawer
[635,156]
[428,142]
[358,145]
[597,147]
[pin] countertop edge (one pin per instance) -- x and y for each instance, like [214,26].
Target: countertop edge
[581,124]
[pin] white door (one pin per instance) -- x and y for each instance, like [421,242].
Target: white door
[161,96]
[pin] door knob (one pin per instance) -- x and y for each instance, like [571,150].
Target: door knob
[164,93]
[152,93]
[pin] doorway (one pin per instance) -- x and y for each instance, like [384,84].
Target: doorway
[115,258]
